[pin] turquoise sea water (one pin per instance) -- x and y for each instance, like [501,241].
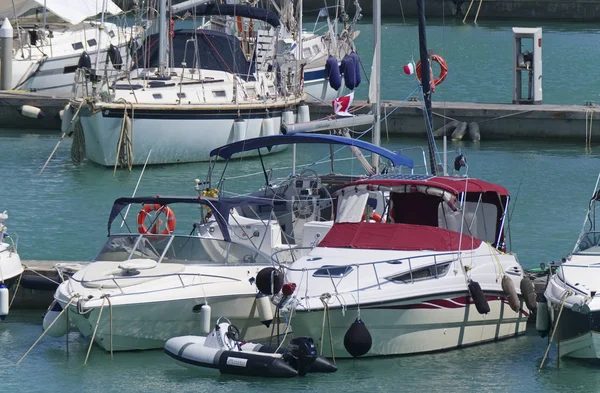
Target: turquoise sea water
[62,214]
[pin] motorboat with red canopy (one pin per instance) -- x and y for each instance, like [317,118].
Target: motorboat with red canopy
[402,259]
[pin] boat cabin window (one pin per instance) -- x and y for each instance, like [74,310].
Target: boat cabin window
[92,42]
[424,273]
[333,271]
[77,46]
[219,94]
[177,249]
[589,244]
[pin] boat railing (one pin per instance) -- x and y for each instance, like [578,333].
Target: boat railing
[438,259]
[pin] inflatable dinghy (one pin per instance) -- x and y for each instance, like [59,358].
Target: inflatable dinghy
[221,350]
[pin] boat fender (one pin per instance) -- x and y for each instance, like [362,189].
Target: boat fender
[446,130]
[474,132]
[542,318]
[115,57]
[332,72]
[349,71]
[357,340]
[84,61]
[528,292]
[32,112]
[303,113]
[265,311]
[3,301]
[481,303]
[59,328]
[269,280]
[66,119]
[460,131]
[511,293]
[356,59]
[268,126]
[205,313]
[239,129]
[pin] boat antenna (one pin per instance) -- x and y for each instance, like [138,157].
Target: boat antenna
[425,83]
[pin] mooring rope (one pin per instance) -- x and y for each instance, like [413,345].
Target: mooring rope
[95,330]
[562,304]
[125,145]
[47,329]
[16,290]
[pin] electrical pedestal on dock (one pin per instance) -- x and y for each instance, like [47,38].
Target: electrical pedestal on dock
[527,65]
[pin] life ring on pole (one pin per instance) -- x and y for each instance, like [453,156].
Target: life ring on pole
[374,216]
[166,210]
[443,70]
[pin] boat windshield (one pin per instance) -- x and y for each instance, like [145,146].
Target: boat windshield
[589,243]
[178,249]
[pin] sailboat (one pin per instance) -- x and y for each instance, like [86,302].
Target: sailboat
[433,273]
[46,57]
[210,95]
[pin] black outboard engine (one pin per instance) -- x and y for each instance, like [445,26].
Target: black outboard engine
[302,354]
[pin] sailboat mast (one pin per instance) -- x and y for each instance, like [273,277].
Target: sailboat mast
[162,37]
[376,138]
[425,82]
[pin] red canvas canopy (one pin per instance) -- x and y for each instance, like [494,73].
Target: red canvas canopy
[403,237]
[453,184]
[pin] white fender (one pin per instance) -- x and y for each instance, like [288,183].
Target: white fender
[31,112]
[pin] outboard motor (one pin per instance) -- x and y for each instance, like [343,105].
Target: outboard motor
[302,354]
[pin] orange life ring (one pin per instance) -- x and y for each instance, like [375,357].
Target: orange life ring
[443,70]
[375,216]
[166,210]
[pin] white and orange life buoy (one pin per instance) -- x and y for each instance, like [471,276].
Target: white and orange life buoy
[166,210]
[443,71]
[374,216]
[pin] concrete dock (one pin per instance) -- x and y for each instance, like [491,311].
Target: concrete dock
[11,101]
[39,281]
[496,121]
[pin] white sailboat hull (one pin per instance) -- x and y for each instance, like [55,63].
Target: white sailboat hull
[190,139]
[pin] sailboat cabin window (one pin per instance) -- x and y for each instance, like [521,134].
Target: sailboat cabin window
[77,46]
[219,94]
[424,273]
[92,42]
[333,271]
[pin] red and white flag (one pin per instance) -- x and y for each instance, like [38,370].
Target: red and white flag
[342,104]
[409,69]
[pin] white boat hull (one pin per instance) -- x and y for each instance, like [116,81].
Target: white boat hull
[317,88]
[144,326]
[190,138]
[10,263]
[427,324]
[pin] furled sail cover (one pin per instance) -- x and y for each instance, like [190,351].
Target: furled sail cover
[73,12]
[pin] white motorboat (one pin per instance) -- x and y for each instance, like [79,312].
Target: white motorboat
[47,53]
[10,266]
[148,286]
[571,297]
[429,273]
[213,96]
